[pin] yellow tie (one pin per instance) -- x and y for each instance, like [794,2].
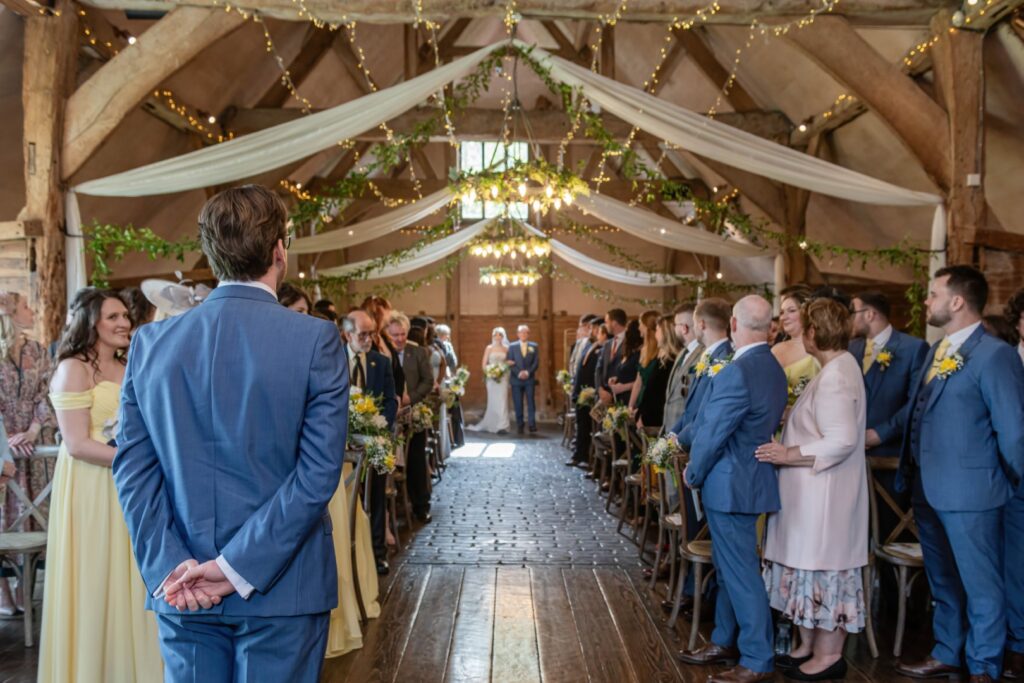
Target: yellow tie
[940,354]
[869,354]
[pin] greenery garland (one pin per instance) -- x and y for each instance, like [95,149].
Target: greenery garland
[332,286]
[106,242]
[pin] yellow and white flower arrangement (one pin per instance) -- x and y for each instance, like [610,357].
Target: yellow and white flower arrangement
[380,453]
[587,397]
[949,366]
[422,417]
[660,452]
[369,429]
[495,371]
[794,391]
[616,419]
[564,378]
[716,366]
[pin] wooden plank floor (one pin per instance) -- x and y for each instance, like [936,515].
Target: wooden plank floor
[520,578]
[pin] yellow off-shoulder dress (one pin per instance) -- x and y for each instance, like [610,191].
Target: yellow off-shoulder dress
[803,370]
[95,625]
[345,633]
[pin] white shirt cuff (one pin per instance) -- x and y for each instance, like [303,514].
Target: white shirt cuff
[242,587]
[159,592]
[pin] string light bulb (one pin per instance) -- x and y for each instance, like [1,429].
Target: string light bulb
[132,40]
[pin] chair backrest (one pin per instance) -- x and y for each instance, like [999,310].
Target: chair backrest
[875,491]
[33,508]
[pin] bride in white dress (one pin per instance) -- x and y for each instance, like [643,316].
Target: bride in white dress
[496,419]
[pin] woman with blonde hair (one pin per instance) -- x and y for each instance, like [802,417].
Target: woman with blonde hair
[657,355]
[799,365]
[24,375]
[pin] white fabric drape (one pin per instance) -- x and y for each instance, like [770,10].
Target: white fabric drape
[365,231]
[74,246]
[433,252]
[666,232]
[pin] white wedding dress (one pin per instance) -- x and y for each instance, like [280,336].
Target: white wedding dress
[496,419]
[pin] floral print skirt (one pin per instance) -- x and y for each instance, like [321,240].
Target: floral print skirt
[825,599]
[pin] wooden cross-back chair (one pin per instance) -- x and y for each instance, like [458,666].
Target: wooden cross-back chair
[905,557]
[650,492]
[602,449]
[353,486]
[622,464]
[568,421]
[16,542]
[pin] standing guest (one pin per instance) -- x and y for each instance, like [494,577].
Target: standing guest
[95,623]
[682,370]
[419,381]
[996,326]
[712,319]
[139,307]
[615,320]
[326,308]
[654,374]
[444,342]
[817,544]
[524,359]
[585,379]
[775,333]
[1014,532]
[290,296]
[800,366]
[371,372]
[226,497]
[582,341]
[742,410]
[627,371]
[438,365]
[24,379]
[961,458]
[379,308]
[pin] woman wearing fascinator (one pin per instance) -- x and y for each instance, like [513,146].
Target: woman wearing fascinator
[174,298]
[95,626]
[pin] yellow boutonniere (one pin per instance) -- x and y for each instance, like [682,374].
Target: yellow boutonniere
[718,366]
[884,359]
[700,367]
[949,366]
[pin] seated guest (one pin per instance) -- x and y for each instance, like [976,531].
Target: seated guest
[290,296]
[817,544]
[326,308]
[656,363]
[627,370]
[419,382]
[962,458]
[742,411]
[584,378]
[615,320]
[712,322]
[800,367]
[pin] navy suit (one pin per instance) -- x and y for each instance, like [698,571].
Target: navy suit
[233,427]
[963,451]
[524,388]
[380,382]
[1014,533]
[744,404]
[683,428]
[888,389]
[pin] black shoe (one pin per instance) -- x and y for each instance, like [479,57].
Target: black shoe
[835,672]
[383,568]
[533,429]
[519,430]
[785,662]
[424,518]
[571,463]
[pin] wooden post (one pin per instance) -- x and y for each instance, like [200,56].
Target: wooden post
[453,291]
[608,51]
[48,76]
[960,80]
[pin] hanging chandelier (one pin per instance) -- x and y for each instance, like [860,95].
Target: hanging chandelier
[535,182]
[502,276]
[506,239]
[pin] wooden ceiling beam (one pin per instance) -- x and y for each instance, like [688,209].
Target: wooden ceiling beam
[25,8]
[316,44]
[547,127]
[695,43]
[921,123]
[346,53]
[102,102]
[730,12]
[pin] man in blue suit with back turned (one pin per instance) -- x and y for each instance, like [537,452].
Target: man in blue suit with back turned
[743,407]
[962,456]
[232,433]
[524,361]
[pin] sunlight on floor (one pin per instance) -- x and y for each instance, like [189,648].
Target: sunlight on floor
[485,450]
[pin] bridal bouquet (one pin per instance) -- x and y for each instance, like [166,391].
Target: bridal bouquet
[422,417]
[495,371]
[616,419]
[565,379]
[586,398]
[660,453]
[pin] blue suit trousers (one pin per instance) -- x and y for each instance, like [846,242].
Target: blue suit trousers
[963,559]
[1014,549]
[742,616]
[210,648]
[521,390]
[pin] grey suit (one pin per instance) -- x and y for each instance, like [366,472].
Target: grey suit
[419,381]
[679,385]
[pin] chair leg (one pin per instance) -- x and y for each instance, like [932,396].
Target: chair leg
[680,590]
[407,506]
[27,574]
[901,617]
[869,622]
[636,514]
[611,491]
[355,584]
[643,528]
[675,561]
[698,597]
[393,521]
[657,555]
[622,508]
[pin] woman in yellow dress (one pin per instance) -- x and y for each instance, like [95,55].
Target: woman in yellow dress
[345,633]
[95,626]
[800,367]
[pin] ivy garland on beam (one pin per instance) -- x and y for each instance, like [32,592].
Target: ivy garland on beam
[339,286]
[106,242]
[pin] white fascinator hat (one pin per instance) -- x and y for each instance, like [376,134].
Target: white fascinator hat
[174,298]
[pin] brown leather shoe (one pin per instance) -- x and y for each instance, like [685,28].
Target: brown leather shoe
[927,668]
[980,678]
[710,654]
[741,674]
[1013,668]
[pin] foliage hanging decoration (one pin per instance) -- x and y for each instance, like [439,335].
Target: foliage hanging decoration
[106,242]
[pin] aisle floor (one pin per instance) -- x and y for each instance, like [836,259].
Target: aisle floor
[522,577]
